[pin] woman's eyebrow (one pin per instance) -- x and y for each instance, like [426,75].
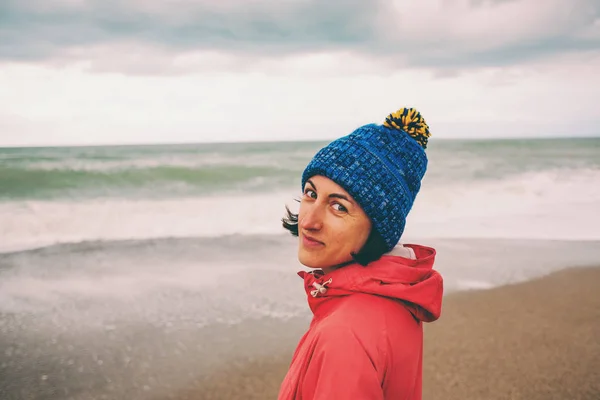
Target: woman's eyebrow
[332,195]
[340,196]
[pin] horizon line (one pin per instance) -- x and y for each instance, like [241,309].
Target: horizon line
[107,144]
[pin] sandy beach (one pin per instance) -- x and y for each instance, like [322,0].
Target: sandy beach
[533,340]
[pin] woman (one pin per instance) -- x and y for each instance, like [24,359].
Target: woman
[369,295]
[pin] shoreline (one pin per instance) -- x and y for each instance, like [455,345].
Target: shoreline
[527,340]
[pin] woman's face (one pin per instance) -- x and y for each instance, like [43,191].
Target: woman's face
[331,224]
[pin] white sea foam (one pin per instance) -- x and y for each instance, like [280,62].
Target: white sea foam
[558,204]
[207,160]
[535,205]
[30,224]
[466,284]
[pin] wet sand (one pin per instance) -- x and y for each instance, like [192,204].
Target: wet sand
[534,340]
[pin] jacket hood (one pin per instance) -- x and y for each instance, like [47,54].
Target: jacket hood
[411,281]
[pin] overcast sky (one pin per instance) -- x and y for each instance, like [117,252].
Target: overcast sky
[148,71]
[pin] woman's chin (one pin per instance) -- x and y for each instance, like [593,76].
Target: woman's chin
[311,260]
[307,262]
[317,261]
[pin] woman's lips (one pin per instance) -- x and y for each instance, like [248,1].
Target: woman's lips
[308,241]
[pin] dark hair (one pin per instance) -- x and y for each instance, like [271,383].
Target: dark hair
[373,249]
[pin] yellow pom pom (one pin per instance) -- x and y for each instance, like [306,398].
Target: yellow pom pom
[410,121]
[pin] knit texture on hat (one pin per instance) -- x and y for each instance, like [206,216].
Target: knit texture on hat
[381,167]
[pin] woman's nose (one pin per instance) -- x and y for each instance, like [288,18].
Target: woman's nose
[311,218]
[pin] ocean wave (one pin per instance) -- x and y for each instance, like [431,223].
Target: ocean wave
[167,171]
[552,204]
[148,171]
[559,204]
[151,182]
[29,224]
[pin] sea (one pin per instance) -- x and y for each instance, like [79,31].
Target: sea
[135,271]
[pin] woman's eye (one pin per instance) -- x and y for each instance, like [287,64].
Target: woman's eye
[310,193]
[339,207]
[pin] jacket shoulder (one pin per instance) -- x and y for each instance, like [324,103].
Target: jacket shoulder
[372,319]
[374,310]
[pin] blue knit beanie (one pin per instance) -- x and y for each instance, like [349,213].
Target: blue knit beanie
[381,167]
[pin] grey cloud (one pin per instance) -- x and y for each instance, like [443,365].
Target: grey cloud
[30,32]
[507,55]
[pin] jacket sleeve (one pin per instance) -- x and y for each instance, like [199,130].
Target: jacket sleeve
[341,368]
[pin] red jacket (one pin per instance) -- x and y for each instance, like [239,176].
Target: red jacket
[366,337]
